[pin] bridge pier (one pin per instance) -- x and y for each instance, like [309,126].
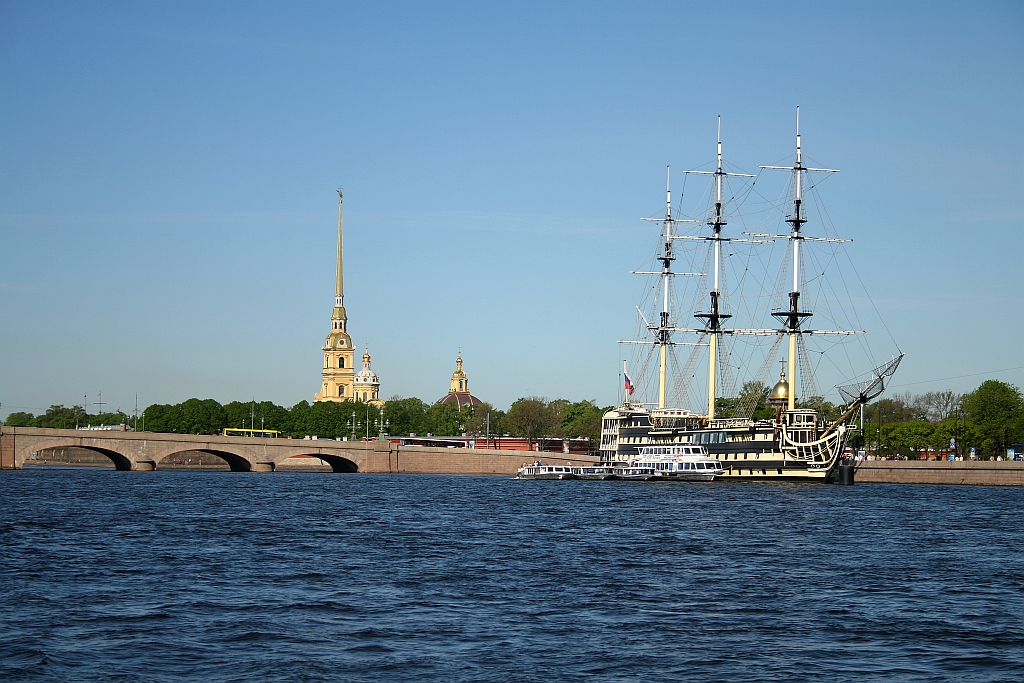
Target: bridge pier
[263,467]
[144,466]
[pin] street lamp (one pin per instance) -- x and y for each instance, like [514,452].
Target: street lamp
[352,424]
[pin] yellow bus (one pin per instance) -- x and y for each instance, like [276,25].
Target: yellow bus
[262,433]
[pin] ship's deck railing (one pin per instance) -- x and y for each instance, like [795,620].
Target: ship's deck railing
[726,422]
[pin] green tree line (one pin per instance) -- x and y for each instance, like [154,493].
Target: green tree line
[988,419]
[530,418]
[59,417]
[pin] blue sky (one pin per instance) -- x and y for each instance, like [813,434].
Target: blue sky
[167,177]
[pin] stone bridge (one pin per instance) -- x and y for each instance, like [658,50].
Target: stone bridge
[145,451]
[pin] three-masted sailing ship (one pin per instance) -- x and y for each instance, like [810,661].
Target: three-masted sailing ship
[798,442]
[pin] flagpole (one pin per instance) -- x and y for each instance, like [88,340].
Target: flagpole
[627,384]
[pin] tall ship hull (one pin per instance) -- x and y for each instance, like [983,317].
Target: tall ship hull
[761,434]
[795,449]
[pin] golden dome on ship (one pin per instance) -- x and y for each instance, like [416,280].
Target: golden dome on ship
[781,390]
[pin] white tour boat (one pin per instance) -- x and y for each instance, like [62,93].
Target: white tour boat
[671,463]
[539,471]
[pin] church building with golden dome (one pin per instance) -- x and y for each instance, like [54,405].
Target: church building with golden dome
[340,380]
[458,394]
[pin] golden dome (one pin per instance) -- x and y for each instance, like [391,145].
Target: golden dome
[781,390]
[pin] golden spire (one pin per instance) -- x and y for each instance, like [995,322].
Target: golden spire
[339,285]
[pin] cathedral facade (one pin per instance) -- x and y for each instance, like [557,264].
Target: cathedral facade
[341,382]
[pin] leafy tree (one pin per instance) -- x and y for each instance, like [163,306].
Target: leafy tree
[581,419]
[446,419]
[257,415]
[202,416]
[827,410]
[908,438]
[332,420]
[995,412]
[160,417]
[59,417]
[556,410]
[298,417]
[529,418]
[194,416]
[892,409]
[406,416]
[752,402]
[19,420]
[485,420]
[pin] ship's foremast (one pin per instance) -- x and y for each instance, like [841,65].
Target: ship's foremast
[662,331]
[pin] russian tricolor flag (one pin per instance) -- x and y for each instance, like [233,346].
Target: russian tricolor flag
[629,385]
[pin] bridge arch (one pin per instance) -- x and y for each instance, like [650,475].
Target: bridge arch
[237,463]
[121,462]
[338,463]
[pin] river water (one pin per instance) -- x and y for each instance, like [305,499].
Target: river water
[291,576]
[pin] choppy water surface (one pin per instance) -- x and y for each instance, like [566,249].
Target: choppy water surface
[287,577]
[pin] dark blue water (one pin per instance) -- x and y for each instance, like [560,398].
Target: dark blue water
[301,577]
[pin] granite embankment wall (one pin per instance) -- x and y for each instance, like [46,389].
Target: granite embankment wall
[970,472]
[425,460]
[146,451]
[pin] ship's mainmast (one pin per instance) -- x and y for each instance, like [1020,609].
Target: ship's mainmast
[666,272]
[792,317]
[714,316]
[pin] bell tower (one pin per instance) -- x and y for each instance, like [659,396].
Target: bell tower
[460,383]
[339,356]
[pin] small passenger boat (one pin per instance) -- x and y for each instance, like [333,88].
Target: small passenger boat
[603,471]
[671,463]
[539,471]
[689,462]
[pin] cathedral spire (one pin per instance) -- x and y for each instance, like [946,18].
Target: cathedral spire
[339,284]
[339,354]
